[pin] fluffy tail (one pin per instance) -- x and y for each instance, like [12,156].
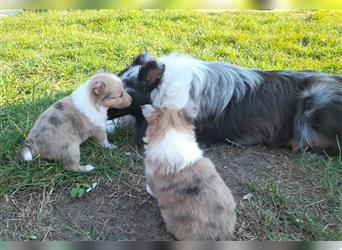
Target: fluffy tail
[25,153]
[318,121]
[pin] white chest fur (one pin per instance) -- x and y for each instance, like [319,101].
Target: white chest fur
[176,150]
[82,101]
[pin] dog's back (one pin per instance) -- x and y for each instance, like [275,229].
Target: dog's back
[57,127]
[301,109]
[195,203]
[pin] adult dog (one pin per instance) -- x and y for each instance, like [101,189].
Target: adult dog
[302,109]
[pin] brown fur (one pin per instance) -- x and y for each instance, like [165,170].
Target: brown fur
[166,118]
[59,131]
[106,92]
[195,203]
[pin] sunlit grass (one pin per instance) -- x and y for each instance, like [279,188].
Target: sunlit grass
[45,55]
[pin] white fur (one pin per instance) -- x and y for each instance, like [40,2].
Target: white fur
[147,110]
[111,126]
[306,134]
[132,71]
[106,144]
[27,155]
[207,87]
[87,168]
[323,93]
[82,101]
[176,150]
[177,78]
[212,84]
[148,190]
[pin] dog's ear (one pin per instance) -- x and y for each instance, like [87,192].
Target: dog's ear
[151,72]
[142,58]
[147,110]
[188,113]
[102,70]
[98,88]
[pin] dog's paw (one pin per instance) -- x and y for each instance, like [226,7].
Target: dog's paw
[111,146]
[106,144]
[111,126]
[86,168]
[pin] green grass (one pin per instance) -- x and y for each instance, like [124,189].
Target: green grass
[44,56]
[307,207]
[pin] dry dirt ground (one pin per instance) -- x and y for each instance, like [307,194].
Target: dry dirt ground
[121,209]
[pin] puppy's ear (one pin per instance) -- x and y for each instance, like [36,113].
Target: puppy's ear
[102,70]
[151,72]
[141,59]
[98,88]
[188,113]
[147,110]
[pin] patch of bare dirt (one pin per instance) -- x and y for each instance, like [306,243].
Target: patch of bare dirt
[122,209]
[242,167]
[114,211]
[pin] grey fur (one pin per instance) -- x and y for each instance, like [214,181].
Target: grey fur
[249,106]
[217,83]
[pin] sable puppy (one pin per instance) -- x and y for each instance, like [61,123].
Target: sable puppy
[194,201]
[59,131]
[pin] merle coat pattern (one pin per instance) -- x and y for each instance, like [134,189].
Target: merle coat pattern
[302,109]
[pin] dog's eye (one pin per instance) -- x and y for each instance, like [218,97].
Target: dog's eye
[114,97]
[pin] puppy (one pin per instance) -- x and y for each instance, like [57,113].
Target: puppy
[194,201]
[59,131]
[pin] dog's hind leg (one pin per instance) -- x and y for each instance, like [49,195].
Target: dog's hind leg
[318,121]
[71,160]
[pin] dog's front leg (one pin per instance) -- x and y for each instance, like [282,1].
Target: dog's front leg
[111,125]
[140,130]
[107,144]
[101,138]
